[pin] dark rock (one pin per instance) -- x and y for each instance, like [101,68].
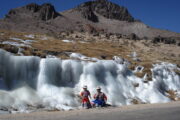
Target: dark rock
[44,12]
[103,56]
[178,44]
[47,12]
[107,9]
[10,48]
[87,13]
[33,7]
[89,28]
[133,36]
[169,41]
[145,38]
[156,40]
[118,35]
[165,40]
[54,53]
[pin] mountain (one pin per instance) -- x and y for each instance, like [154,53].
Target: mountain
[93,16]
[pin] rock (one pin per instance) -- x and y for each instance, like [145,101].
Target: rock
[165,40]
[87,13]
[32,7]
[133,36]
[89,28]
[169,41]
[103,57]
[10,48]
[47,12]
[156,40]
[104,8]
[41,12]
[178,44]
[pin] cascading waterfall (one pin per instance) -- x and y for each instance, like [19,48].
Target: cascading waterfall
[54,83]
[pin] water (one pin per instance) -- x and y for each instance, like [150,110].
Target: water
[52,83]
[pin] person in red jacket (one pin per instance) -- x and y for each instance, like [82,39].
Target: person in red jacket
[99,98]
[85,95]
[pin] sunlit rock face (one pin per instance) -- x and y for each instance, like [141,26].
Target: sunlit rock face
[55,83]
[33,11]
[106,9]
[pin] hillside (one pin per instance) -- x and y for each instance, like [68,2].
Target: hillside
[100,16]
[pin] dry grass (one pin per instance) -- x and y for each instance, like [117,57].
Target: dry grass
[173,95]
[134,101]
[97,46]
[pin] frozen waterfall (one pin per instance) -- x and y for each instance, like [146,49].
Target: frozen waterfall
[54,83]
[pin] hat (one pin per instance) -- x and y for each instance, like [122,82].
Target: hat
[85,86]
[98,88]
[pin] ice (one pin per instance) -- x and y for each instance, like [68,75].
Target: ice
[15,44]
[118,59]
[50,56]
[68,41]
[23,41]
[138,69]
[17,39]
[30,36]
[79,56]
[20,50]
[82,42]
[28,41]
[134,56]
[55,84]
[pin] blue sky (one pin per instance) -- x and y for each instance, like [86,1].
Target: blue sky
[164,14]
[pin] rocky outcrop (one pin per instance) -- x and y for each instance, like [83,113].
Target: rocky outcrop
[133,36]
[165,40]
[47,12]
[10,48]
[41,12]
[105,8]
[88,14]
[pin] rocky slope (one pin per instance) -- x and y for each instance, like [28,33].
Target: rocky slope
[100,16]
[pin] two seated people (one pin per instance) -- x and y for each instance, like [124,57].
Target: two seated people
[99,98]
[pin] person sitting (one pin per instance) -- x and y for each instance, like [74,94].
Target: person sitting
[99,98]
[85,94]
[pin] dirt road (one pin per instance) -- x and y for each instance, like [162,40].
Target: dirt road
[167,111]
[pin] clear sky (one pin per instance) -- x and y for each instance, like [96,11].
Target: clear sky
[164,14]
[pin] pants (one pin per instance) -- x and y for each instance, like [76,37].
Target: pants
[100,103]
[86,103]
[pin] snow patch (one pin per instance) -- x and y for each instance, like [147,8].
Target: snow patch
[68,41]
[79,56]
[15,44]
[30,36]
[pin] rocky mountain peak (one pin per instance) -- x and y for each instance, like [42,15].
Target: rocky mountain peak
[104,8]
[32,7]
[42,12]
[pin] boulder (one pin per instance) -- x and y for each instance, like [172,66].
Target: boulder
[133,36]
[10,48]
